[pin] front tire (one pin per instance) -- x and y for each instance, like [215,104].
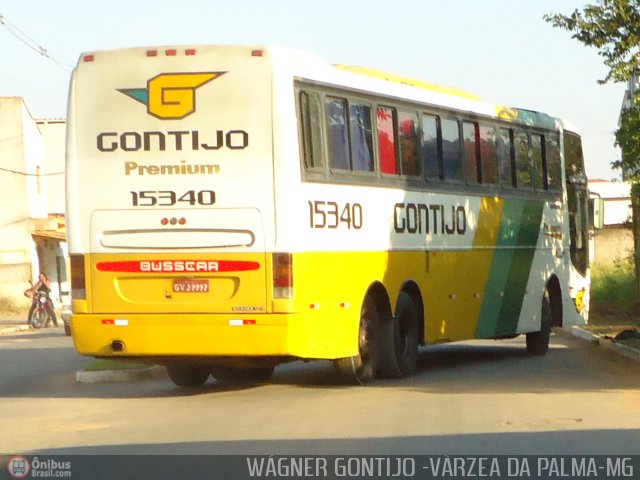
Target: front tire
[38,317]
[362,368]
[538,342]
[188,375]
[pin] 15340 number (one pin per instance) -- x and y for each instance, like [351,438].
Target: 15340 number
[331,215]
[169,198]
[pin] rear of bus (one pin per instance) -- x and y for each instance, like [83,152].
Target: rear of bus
[171,207]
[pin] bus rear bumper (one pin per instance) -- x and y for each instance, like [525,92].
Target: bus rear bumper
[163,336]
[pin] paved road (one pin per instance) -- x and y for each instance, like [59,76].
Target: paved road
[474,398]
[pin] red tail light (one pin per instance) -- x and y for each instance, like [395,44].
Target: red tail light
[78,285]
[282,275]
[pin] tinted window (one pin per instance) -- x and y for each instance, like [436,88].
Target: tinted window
[336,115]
[523,165]
[430,150]
[539,162]
[451,161]
[386,140]
[361,137]
[310,130]
[471,144]
[506,157]
[409,143]
[488,156]
[553,162]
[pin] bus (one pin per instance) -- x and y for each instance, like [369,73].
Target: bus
[231,208]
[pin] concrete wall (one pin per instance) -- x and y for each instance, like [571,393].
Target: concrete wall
[23,196]
[53,135]
[612,243]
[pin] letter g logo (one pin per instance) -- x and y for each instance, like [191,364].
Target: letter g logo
[171,95]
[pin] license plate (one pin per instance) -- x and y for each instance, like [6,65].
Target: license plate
[190,285]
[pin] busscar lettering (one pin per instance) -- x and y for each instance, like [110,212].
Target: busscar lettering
[173,140]
[179,266]
[427,219]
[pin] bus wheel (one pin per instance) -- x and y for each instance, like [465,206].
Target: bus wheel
[399,345]
[363,367]
[188,375]
[241,375]
[538,342]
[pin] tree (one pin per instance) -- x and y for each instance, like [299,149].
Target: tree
[613,27]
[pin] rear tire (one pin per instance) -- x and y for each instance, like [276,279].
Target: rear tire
[362,368]
[242,375]
[399,343]
[188,375]
[538,342]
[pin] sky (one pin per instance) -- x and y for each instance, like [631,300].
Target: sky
[500,50]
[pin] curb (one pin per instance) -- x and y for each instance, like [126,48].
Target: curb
[10,330]
[607,344]
[131,375]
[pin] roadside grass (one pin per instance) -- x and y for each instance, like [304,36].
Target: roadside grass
[613,290]
[615,305]
[101,365]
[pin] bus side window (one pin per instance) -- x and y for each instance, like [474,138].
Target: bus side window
[361,137]
[337,139]
[539,162]
[431,146]
[471,139]
[409,143]
[554,168]
[523,164]
[451,158]
[387,119]
[310,130]
[506,154]
[488,155]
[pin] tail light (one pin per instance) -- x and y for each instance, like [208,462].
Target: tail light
[282,275]
[78,285]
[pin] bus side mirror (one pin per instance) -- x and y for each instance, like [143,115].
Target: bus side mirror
[596,213]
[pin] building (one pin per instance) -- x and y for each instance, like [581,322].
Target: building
[32,221]
[615,240]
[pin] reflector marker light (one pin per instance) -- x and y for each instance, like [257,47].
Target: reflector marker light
[190,51]
[236,322]
[172,52]
[120,322]
[257,53]
[314,306]
[88,58]
[152,53]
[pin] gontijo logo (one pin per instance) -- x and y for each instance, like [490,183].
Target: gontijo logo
[171,95]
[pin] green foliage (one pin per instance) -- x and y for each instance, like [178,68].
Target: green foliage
[613,288]
[628,138]
[611,26]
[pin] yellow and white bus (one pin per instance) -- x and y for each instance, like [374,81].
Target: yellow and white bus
[231,208]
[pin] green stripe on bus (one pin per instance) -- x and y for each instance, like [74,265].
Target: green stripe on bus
[510,268]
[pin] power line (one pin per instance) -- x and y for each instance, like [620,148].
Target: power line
[33,45]
[30,174]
